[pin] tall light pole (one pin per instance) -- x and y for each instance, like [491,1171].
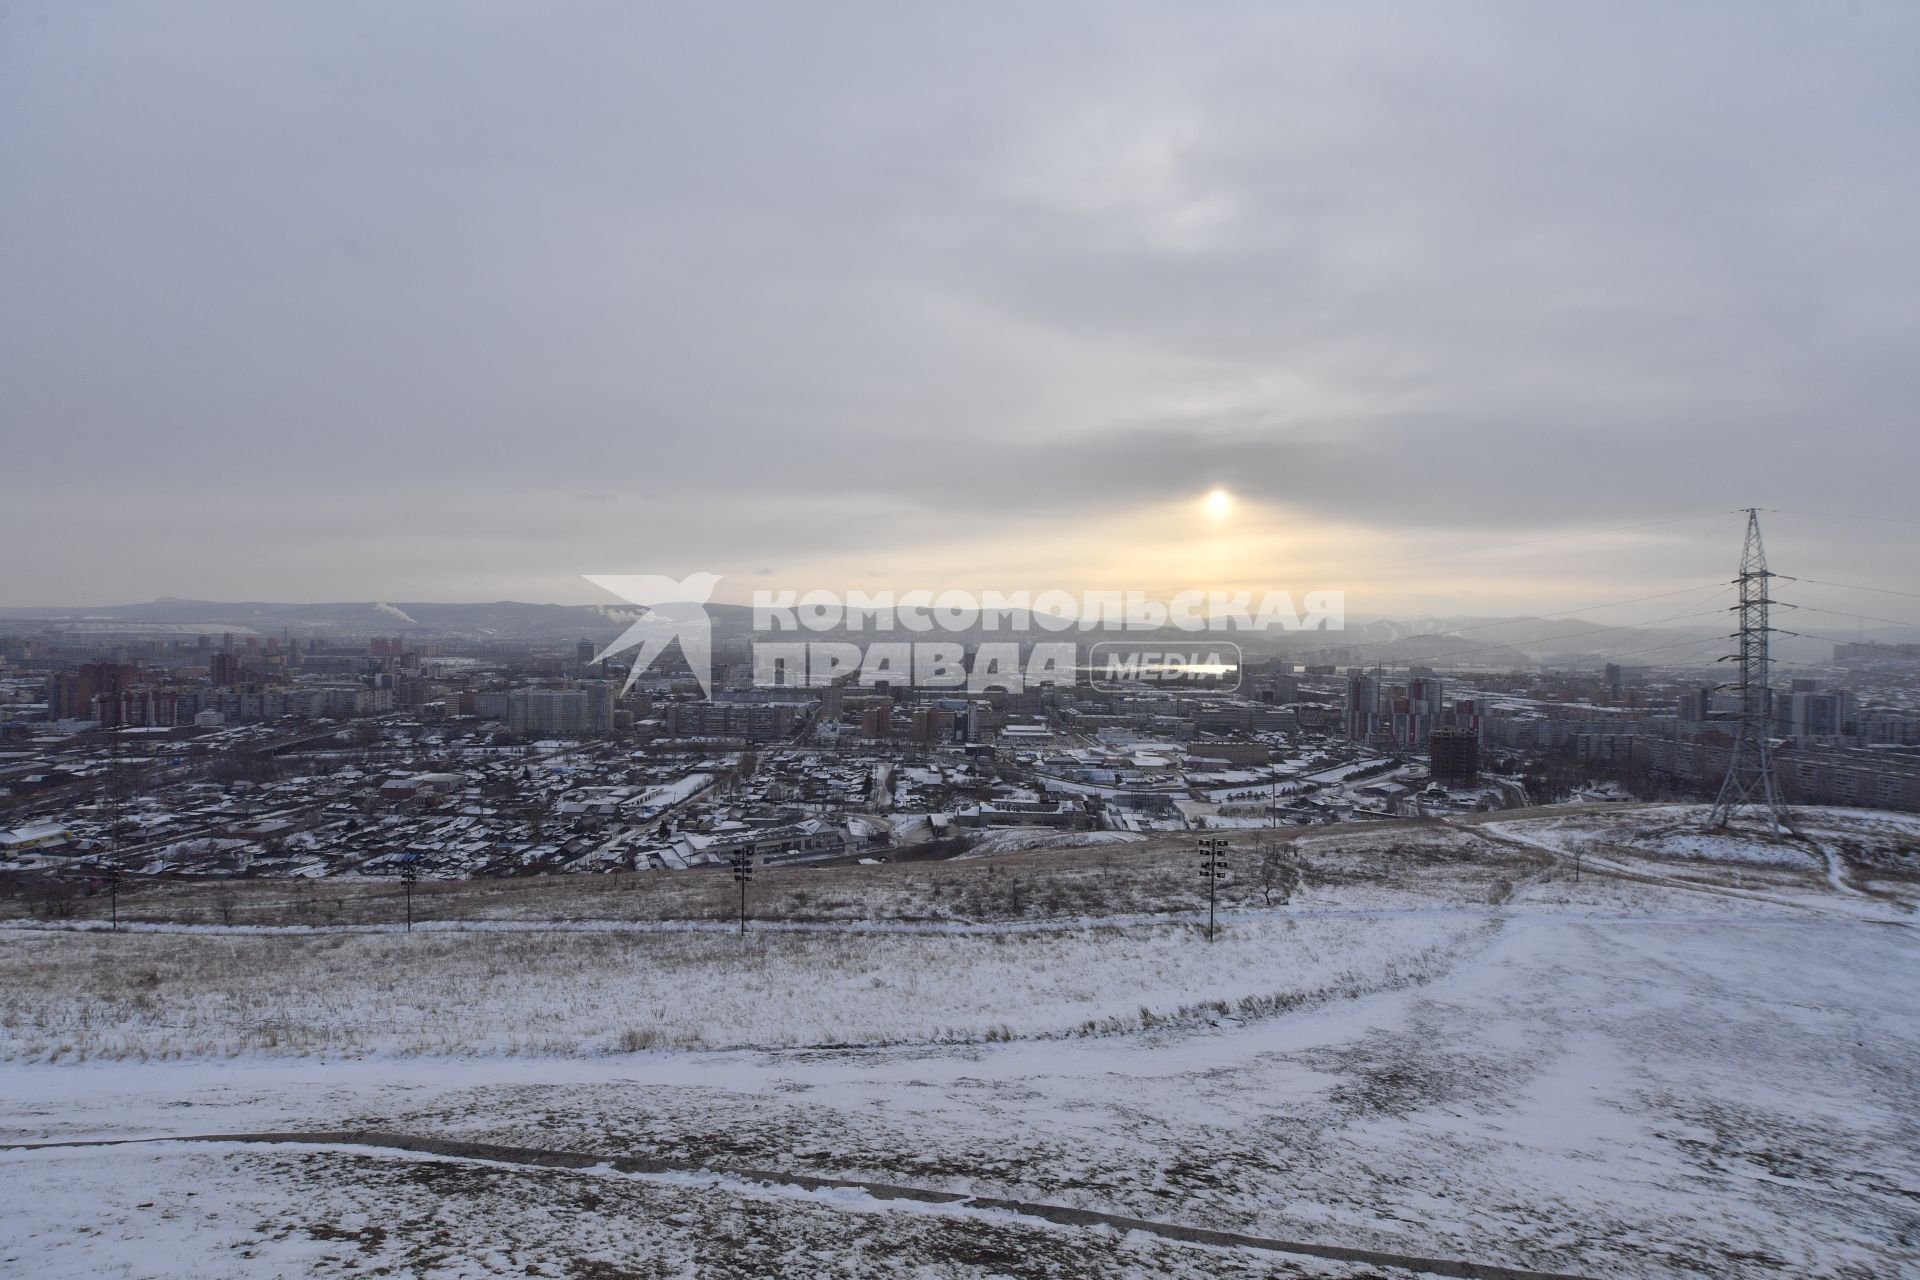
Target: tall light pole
[742,873]
[1213,857]
[409,872]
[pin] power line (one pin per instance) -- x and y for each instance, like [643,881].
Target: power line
[1692,637]
[1574,635]
[1674,617]
[1870,644]
[1843,613]
[1589,608]
[1851,586]
[1530,543]
[1811,666]
[1543,617]
[1839,515]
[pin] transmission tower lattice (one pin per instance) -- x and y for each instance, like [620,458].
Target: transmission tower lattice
[1749,783]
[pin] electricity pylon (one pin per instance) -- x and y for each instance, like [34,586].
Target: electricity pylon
[1749,783]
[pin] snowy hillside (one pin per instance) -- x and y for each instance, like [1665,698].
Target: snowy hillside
[1581,1041]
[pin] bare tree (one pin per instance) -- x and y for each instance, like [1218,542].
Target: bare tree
[1276,874]
[54,897]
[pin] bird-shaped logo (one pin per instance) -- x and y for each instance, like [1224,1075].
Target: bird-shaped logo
[676,610]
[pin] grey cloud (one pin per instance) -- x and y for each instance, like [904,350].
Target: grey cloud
[443,271]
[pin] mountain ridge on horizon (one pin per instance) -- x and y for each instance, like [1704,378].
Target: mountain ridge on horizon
[1493,640]
[188,609]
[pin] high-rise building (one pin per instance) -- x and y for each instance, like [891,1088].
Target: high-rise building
[754,721]
[1465,713]
[1693,710]
[569,712]
[601,695]
[1363,707]
[1813,716]
[932,724]
[71,694]
[1415,714]
[1453,755]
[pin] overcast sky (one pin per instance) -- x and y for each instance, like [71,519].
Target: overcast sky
[1472,307]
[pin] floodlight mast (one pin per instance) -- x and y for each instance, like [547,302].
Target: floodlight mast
[1213,854]
[742,862]
[409,872]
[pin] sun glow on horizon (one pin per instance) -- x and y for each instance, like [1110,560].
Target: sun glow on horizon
[1218,504]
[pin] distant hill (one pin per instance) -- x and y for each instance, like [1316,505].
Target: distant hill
[1466,641]
[500,619]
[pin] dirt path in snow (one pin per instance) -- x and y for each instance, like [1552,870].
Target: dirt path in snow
[1599,865]
[1063,1215]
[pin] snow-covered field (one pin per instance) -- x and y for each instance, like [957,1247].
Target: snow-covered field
[1888,839]
[1868,857]
[67,996]
[1667,1069]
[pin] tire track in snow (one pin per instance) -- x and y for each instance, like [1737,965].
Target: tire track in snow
[1496,833]
[808,1187]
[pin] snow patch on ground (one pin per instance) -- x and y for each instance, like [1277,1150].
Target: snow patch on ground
[1021,840]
